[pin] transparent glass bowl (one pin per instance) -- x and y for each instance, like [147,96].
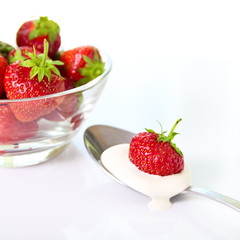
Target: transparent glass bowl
[30,143]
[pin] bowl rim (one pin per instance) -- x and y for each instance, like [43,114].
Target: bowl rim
[91,84]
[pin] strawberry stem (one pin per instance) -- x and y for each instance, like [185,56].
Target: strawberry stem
[45,53]
[40,65]
[172,134]
[161,127]
[169,138]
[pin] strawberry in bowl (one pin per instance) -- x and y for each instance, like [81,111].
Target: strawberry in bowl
[12,130]
[5,49]
[3,67]
[21,53]
[32,33]
[82,64]
[41,109]
[34,77]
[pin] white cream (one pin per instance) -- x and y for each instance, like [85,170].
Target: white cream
[159,189]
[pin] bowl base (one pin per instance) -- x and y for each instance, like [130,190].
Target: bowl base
[30,159]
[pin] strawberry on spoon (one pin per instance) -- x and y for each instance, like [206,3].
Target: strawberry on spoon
[102,141]
[155,153]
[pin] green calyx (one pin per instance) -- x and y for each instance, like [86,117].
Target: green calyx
[169,137]
[44,26]
[16,57]
[41,65]
[92,69]
[5,49]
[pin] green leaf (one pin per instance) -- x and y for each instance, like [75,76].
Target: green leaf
[57,62]
[33,72]
[28,53]
[176,149]
[27,63]
[85,72]
[56,71]
[96,58]
[149,130]
[81,82]
[41,65]
[33,34]
[51,36]
[166,139]
[88,60]
[169,138]
[40,56]
[5,49]
[91,70]
[18,53]
[16,57]
[173,135]
[41,74]
[48,74]
[161,138]
[43,27]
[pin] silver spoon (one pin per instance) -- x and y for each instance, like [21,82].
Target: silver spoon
[98,138]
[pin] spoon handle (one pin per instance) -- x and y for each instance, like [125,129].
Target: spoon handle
[230,202]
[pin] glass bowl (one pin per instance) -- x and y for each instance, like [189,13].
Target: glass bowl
[29,143]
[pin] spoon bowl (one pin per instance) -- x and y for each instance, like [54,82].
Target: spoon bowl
[98,138]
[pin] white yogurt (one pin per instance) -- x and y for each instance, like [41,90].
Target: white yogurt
[160,189]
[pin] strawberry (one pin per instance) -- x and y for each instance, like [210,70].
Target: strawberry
[3,67]
[33,33]
[12,130]
[68,84]
[67,108]
[82,64]
[20,54]
[33,77]
[5,49]
[155,153]
[77,120]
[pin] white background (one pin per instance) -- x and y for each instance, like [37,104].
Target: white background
[171,59]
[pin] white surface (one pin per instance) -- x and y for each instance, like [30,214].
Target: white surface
[171,59]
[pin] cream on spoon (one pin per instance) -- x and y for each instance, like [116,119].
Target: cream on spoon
[98,138]
[159,189]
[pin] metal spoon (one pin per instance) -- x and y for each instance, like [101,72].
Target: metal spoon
[98,138]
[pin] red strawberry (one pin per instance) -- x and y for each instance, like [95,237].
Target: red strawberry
[155,153]
[67,108]
[68,84]
[5,49]
[3,67]
[20,54]
[33,33]
[12,130]
[33,77]
[82,64]
[77,120]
